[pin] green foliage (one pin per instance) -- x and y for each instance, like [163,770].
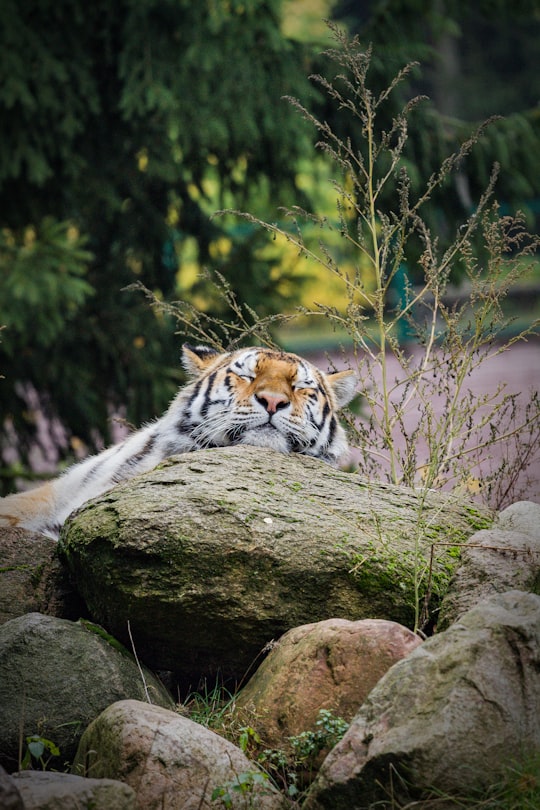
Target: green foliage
[247,784]
[39,751]
[468,84]
[293,767]
[290,768]
[328,732]
[211,707]
[221,97]
[519,787]
[248,736]
[131,122]
[42,282]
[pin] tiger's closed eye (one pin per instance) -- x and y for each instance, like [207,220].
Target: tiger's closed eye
[284,407]
[244,376]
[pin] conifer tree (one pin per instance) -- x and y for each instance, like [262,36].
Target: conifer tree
[475,61]
[120,121]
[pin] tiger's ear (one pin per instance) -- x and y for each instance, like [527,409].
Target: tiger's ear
[343,384]
[196,359]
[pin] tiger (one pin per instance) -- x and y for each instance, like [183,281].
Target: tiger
[254,396]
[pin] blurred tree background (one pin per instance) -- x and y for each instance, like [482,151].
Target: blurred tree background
[475,61]
[126,125]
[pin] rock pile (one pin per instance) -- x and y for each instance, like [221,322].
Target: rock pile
[216,559]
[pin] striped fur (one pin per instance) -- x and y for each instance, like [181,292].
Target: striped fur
[251,396]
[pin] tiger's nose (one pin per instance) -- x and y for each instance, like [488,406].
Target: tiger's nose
[272,402]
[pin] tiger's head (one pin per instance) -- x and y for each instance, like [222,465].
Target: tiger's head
[267,398]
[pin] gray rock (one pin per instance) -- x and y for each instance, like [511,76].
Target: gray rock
[42,790]
[449,717]
[55,677]
[169,760]
[32,578]
[522,516]
[492,561]
[217,552]
[10,798]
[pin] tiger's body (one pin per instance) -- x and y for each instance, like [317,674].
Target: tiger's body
[253,396]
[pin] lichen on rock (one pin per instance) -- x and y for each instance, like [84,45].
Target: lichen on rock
[216,553]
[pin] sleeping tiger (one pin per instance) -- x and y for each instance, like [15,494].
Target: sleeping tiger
[253,396]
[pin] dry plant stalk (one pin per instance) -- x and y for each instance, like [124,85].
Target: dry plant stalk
[422,426]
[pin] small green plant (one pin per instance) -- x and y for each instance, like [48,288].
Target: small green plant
[283,769]
[290,769]
[329,730]
[248,738]
[212,707]
[294,766]
[248,784]
[39,753]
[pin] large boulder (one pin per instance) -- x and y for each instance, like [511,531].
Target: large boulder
[215,553]
[448,718]
[41,790]
[56,676]
[170,761]
[32,578]
[492,561]
[329,665]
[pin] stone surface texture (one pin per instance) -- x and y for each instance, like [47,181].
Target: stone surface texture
[56,676]
[522,516]
[169,761]
[505,557]
[10,798]
[216,553]
[43,790]
[448,717]
[327,665]
[32,578]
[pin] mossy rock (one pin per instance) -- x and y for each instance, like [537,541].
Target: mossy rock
[56,676]
[216,553]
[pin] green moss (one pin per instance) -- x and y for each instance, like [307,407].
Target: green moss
[37,575]
[105,763]
[97,630]
[420,569]
[535,585]
[8,568]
